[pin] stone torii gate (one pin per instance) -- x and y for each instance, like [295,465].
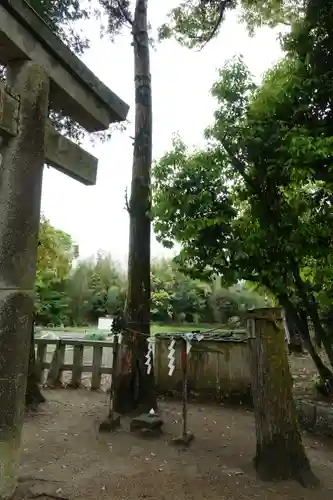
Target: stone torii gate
[42,73]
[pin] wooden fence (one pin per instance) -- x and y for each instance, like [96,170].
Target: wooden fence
[217,365]
[57,366]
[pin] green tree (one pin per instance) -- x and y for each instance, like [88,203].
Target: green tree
[96,287]
[60,16]
[194,23]
[232,218]
[203,18]
[257,203]
[248,221]
[56,252]
[175,296]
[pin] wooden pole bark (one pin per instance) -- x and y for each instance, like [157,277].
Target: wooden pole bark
[136,388]
[280,453]
[20,196]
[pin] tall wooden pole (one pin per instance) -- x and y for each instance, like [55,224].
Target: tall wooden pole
[138,295]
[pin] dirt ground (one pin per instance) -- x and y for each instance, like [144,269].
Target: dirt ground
[64,456]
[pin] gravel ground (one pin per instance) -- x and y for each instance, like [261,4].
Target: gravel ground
[65,456]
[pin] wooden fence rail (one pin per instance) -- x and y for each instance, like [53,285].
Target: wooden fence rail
[57,365]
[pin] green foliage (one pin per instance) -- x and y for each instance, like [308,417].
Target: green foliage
[56,252]
[178,298]
[256,204]
[96,288]
[193,23]
[78,293]
[60,16]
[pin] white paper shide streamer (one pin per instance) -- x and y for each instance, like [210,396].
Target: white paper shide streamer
[171,357]
[188,338]
[149,356]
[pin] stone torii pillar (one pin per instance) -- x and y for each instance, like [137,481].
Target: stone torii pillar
[41,72]
[20,196]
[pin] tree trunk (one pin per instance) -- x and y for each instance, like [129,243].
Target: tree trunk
[135,389]
[311,308]
[33,395]
[295,341]
[280,453]
[299,318]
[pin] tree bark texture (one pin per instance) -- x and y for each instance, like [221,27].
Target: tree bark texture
[135,389]
[33,395]
[279,453]
[295,344]
[300,319]
[20,196]
[311,308]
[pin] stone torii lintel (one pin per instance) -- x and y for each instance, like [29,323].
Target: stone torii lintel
[60,152]
[74,89]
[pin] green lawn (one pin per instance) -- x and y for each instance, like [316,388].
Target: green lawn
[159,328]
[156,328]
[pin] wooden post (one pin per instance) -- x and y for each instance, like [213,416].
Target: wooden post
[54,376]
[21,173]
[96,369]
[112,422]
[41,357]
[114,375]
[280,453]
[184,394]
[77,366]
[186,436]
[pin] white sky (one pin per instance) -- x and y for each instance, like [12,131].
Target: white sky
[181,80]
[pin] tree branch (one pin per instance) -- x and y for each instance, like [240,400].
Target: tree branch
[239,165]
[310,305]
[222,8]
[127,204]
[125,14]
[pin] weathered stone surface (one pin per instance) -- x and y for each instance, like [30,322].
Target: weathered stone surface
[75,89]
[9,108]
[69,158]
[21,180]
[146,421]
[60,152]
[20,194]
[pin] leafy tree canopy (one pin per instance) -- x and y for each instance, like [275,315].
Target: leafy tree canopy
[194,23]
[56,252]
[256,204]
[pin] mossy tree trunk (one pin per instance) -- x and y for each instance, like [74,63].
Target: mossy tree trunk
[279,453]
[33,395]
[135,389]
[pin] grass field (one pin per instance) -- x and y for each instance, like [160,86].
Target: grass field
[156,328]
